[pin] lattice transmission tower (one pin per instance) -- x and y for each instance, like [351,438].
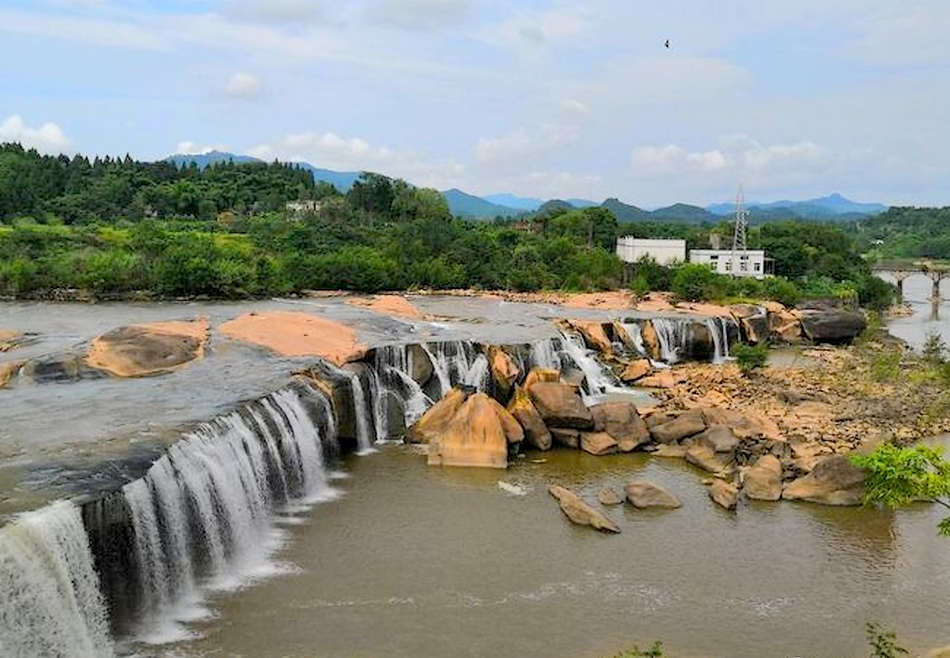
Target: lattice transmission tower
[739,245]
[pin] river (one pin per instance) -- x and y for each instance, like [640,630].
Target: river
[396,559]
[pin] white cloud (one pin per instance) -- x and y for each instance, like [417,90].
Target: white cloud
[418,14]
[534,29]
[519,148]
[275,11]
[48,138]
[737,154]
[193,148]
[331,151]
[244,85]
[574,106]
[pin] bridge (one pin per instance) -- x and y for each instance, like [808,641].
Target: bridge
[902,269]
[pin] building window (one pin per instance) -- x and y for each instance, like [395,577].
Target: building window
[758,267]
[744,266]
[728,265]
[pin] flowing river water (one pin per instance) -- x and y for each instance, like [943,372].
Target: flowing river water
[382,556]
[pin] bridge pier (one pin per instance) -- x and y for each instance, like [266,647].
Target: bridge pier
[937,276]
[899,277]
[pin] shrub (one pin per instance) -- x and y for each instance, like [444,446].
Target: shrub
[750,357]
[695,282]
[934,349]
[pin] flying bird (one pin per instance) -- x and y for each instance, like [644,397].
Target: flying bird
[667,43]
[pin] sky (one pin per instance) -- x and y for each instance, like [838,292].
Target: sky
[537,98]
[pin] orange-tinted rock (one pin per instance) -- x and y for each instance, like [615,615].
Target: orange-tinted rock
[636,370]
[832,481]
[437,418]
[659,379]
[149,349]
[504,370]
[594,335]
[535,431]
[763,480]
[621,421]
[477,435]
[598,443]
[560,405]
[642,494]
[536,375]
[650,340]
[724,494]
[684,425]
[580,512]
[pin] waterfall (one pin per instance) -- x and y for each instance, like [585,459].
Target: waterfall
[361,412]
[719,331]
[544,354]
[50,603]
[672,336]
[636,336]
[380,409]
[440,368]
[393,365]
[597,376]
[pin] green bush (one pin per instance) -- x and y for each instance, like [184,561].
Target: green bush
[750,357]
[695,282]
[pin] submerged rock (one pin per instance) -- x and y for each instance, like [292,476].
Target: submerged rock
[580,512]
[642,494]
[607,496]
[724,494]
[832,481]
[763,480]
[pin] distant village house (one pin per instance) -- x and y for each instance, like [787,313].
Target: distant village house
[662,252]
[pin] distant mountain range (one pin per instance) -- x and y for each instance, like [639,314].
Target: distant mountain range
[469,206]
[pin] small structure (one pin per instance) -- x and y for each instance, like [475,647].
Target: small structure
[663,252]
[750,262]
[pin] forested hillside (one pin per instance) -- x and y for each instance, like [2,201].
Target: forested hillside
[117,227]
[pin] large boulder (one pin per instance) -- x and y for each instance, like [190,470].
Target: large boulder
[435,421]
[763,480]
[753,321]
[703,455]
[144,350]
[784,325]
[477,435]
[535,431]
[686,424]
[580,512]
[594,334]
[536,375]
[560,405]
[420,365]
[566,437]
[651,342]
[621,421]
[598,443]
[504,371]
[720,438]
[831,325]
[832,481]
[642,494]
[724,494]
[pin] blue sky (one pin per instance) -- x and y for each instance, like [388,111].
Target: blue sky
[537,98]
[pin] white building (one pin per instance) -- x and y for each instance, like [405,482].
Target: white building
[663,252]
[751,262]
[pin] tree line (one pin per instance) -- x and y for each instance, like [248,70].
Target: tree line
[115,227]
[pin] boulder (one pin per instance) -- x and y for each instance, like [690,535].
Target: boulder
[686,424]
[724,494]
[753,321]
[145,350]
[535,431]
[746,424]
[832,481]
[636,370]
[435,421]
[477,435]
[763,480]
[671,450]
[621,421]
[504,371]
[594,335]
[598,443]
[651,342]
[658,379]
[420,364]
[560,405]
[7,370]
[565,437]
[703,455]
[784,325]
[580,512]
[720,438]
[607,496]
[831,325]
[536,375]
[642,494]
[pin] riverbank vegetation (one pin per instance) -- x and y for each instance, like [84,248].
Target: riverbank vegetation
[115,227]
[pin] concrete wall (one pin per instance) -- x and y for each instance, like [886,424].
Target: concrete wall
[664,252]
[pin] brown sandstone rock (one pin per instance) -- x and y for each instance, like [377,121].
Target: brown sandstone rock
[437,418]
[671,450]
[504,370]
[421,369]
[594,334]
[598,443]
[642,494]
[477,435]
[580,512]
[560,405]
[724,494]
[703,455]
[144,350]
[7,370]
[621,421]
[763,480]
[684,425]
[659,379]
[720,438]
[753,320]
[636,370]
[651,342]
[535,431]
[536,375]
[832,481]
